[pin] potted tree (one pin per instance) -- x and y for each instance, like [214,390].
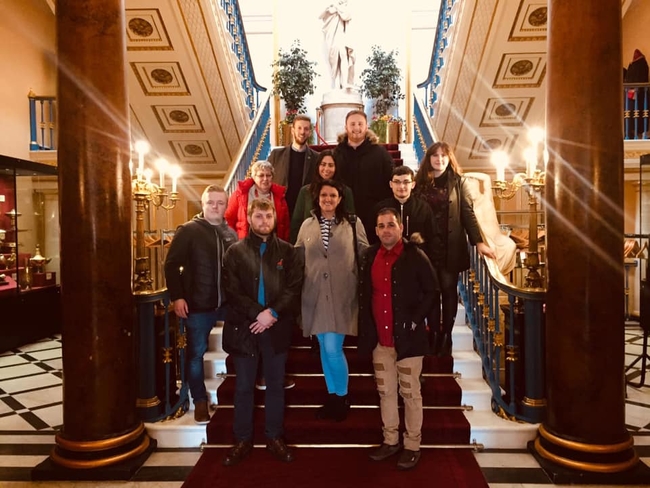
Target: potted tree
[293,80]
[381,83]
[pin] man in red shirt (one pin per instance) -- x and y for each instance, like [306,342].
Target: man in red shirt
[397,283]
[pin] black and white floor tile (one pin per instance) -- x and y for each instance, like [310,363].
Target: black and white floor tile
[31,412]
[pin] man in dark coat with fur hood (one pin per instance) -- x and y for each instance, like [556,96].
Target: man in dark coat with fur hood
[364,166]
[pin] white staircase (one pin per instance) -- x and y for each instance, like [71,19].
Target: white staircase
[182,431]
[486,427]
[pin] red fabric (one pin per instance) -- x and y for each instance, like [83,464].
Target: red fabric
[237,217]
[637,54]
[382,292]
[337,467]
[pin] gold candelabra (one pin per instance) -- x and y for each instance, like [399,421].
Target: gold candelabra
[533,181]
[145,193]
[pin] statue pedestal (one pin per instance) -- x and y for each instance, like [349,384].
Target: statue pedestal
[335,106]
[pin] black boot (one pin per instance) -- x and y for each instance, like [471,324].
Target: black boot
[434,342]
[445,345]
[327,410]
[341,408]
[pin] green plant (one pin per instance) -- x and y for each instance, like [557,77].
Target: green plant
[380,81]
[293,79]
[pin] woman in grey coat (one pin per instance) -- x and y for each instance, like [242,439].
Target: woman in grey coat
[329,292]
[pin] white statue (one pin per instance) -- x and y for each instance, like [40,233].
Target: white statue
[340,55]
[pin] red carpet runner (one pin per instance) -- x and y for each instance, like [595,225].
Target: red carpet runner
[341,466]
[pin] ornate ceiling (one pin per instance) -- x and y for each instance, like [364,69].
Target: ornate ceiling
[184,93]
[494,85]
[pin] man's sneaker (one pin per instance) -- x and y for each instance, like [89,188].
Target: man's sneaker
[201,414]
[408,459]
[238,452]
[384,452]
[279,449]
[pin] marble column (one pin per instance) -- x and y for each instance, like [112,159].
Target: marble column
[101,429]
[584,432]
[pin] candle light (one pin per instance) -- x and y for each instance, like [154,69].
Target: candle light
[175,173]
[530,156]
[161,166]
[500,161]
[142,148]
[148,173]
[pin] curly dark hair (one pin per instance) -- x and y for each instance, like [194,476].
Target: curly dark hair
[340,212]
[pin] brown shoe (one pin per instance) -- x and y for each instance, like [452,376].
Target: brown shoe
[279,449]
[384,452]
[201,414]
[408,459]
[238,452]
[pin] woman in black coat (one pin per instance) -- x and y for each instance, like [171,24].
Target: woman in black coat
[439,181]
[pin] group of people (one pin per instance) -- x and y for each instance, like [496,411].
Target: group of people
[339,243]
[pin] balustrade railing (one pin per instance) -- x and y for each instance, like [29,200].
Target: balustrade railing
[42,122]
[635,110]
[423,135]
[440,44]
[256,145]
[508,328]
[239,46]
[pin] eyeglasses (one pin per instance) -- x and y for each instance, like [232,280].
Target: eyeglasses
[261,176]
[402,182]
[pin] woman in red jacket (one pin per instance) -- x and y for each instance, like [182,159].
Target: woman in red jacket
[259,185]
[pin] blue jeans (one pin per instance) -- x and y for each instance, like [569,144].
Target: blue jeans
[246,371]
[334,362]
[199,326]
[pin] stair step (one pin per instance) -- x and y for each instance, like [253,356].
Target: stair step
[304,361]
[311,390]
[363,426]
[496,433]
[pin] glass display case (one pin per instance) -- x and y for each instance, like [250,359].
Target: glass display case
[29,251]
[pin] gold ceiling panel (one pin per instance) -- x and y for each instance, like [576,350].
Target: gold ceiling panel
[196,151]
[511,112]
[484,144]
[145,31]
[163,78]
[520,70]
[178,118]
[531,21]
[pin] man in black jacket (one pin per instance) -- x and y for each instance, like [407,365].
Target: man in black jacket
[415,213]
[364,166]
[263,280]
[193,274]
[396,289]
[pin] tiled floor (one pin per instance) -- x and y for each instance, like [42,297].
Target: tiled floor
[31,412]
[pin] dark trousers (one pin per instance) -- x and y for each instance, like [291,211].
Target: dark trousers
[246,369]
[447,299]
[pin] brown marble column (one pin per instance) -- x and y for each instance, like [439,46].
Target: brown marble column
[100,425]
[585,426]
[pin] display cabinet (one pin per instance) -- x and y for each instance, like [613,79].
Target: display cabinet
[29,252]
